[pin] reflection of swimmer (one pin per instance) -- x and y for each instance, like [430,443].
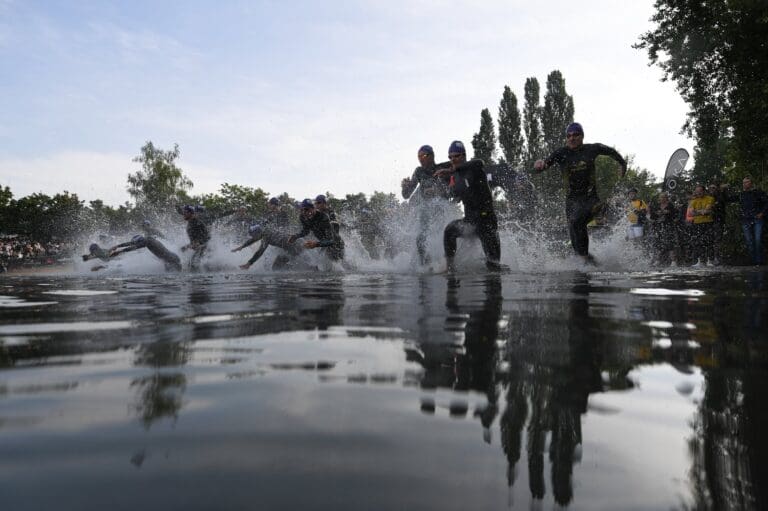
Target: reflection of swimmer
[269,237]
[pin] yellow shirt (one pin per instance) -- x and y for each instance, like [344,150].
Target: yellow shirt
[699,204]
[634,206]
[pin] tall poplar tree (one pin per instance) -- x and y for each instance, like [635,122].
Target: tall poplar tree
[557,113]
[484,141]
[510,133]
[532,122]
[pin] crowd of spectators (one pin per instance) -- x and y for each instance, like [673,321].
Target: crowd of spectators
[692,230]
[16,251]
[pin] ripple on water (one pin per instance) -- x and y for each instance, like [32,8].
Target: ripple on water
[14,302]
[660,291]
[76,326]
[79,292]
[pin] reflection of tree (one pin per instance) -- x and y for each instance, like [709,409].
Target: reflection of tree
[160,394]
[729,445]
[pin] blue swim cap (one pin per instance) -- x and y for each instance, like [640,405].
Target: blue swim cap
[188,209]
[307,204]
[147,223]
[321,199]
[426,149]
[457,147]
[93,248]
[274,201]
[574,127]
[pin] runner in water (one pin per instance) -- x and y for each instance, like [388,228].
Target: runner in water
[171,260]
[469,183]
[198,236]
[577,162]
[319,224]
[424,189]
[321,204]
[269,236]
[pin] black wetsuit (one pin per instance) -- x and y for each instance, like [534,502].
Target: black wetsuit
[664,228]
[275,238]
[277,220]
[320,226]
[171,260]
[469,184]
[430,188]
[198,238]
[582,202]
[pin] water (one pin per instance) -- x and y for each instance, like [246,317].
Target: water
[533,390]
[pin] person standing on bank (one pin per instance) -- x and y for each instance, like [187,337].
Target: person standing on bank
[468,182]
[424,188]
[577,162]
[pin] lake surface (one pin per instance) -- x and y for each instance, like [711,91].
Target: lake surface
[384,391]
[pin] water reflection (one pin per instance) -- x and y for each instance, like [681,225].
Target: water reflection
[535,372]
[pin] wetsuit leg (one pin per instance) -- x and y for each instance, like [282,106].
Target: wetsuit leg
[197,256]
[450,234]
[488,231]
[579,212]
[157,249]
[421,239]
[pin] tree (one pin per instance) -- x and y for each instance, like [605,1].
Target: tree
[484,141]
[510,134]
[532,122]
[160,184]
[557,113]
[717,53]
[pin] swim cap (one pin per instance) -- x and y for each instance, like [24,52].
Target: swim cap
[199,208]
[93,248]
[321,199]
[574,127]
[274,201]
[137,240]
[147,223]
[426,149]
[187,209]
[307,204]
[457,147]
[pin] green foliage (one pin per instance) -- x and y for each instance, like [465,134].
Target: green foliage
[160,184]
[717,54]
[557,113]
[42,217]
[510,125]
[484,141]
[232,197]
[532,122]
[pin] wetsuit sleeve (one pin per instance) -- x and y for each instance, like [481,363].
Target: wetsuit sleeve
[409,188]
[260,252]
[248,243]
[554,158]
[604,150]
[304,231]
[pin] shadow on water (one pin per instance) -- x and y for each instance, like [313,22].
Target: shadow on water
[583,390]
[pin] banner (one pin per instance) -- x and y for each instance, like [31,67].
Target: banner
[675,167]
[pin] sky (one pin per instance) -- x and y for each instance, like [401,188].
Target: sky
[305,97]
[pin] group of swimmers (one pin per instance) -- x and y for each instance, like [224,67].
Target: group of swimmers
[458,179]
